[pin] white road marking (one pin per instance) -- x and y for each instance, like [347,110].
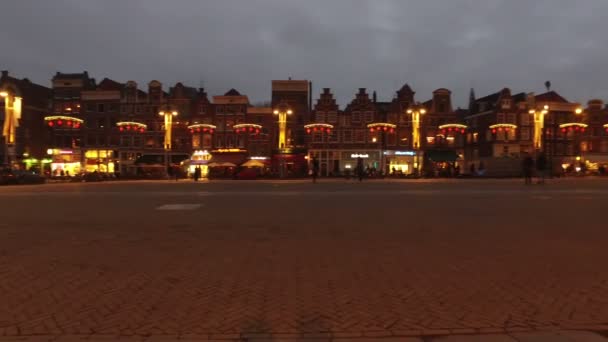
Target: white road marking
[179,207]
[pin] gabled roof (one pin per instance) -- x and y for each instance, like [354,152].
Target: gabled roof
[550,96]
[406,89]
[489,98]
[108,84]
[232,92]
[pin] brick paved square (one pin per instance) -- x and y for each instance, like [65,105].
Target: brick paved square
[257,259]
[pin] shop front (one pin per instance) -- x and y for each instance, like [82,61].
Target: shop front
[225,162]
[371,161]
[402,162]
[99,160]
[200,159]
[65,162]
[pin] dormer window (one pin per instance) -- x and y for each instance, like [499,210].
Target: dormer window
[506,104]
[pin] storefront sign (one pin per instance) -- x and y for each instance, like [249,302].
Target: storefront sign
[405,153]
[258,158]
[359,155]
[227,150]
[201,153]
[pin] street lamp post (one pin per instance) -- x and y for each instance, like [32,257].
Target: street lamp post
[12,114]
[168,116]
[282,112]
[416,111]
[539,125]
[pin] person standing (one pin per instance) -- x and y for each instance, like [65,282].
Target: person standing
[315,169]
[360,168]
[541,167]
[197,173]
[527,166]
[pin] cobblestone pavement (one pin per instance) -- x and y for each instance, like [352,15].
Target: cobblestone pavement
[296,261]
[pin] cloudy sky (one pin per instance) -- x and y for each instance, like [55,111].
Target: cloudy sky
[341,44]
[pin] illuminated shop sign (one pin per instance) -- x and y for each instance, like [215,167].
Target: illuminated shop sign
[405,153]
[359,155]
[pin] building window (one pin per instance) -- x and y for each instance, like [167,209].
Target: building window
[500,118]
[112,107]
[320,117]
[505,150]
[356,116]
[90,107]
[369,116]
[525,133]
[525,119]
[347,136]
[207,142]
[360,136]
[101,108]
[506,104]
[332,117]
[511,118]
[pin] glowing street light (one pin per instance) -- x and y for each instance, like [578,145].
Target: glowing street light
[416,111]
[282,112]
[539,125]
[168,115]
[12,114]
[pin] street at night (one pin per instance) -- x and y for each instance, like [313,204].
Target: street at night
[291,260]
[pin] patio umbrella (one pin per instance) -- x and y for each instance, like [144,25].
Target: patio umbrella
[254,163]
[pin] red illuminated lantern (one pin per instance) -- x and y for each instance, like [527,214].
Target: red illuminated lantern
[569,129]
[198,129]
[582,129]
[392,130]
[141,130]
[257,131]
[443,131]
[328,131]
[308,130]
[128,128]
[204,130]
[51,123]
[69,123]
[59,122]
[211,131]
[315,129]
[462,131]
[191,131]
[250,129]
[449,129]
[371,130]
[576,128]
[494,130]
[77,125]
[121,129]
[500,129]
[563,130]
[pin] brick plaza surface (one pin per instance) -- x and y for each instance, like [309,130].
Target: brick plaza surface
[296,261]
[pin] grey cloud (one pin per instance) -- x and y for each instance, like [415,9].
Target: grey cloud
[342,44]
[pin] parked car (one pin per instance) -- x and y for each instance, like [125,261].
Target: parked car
[10,176]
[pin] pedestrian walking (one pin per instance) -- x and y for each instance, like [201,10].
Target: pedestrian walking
[315,169]
[360,168]
[527,166]
[541,167]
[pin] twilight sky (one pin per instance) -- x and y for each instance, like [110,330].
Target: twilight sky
[341,44]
